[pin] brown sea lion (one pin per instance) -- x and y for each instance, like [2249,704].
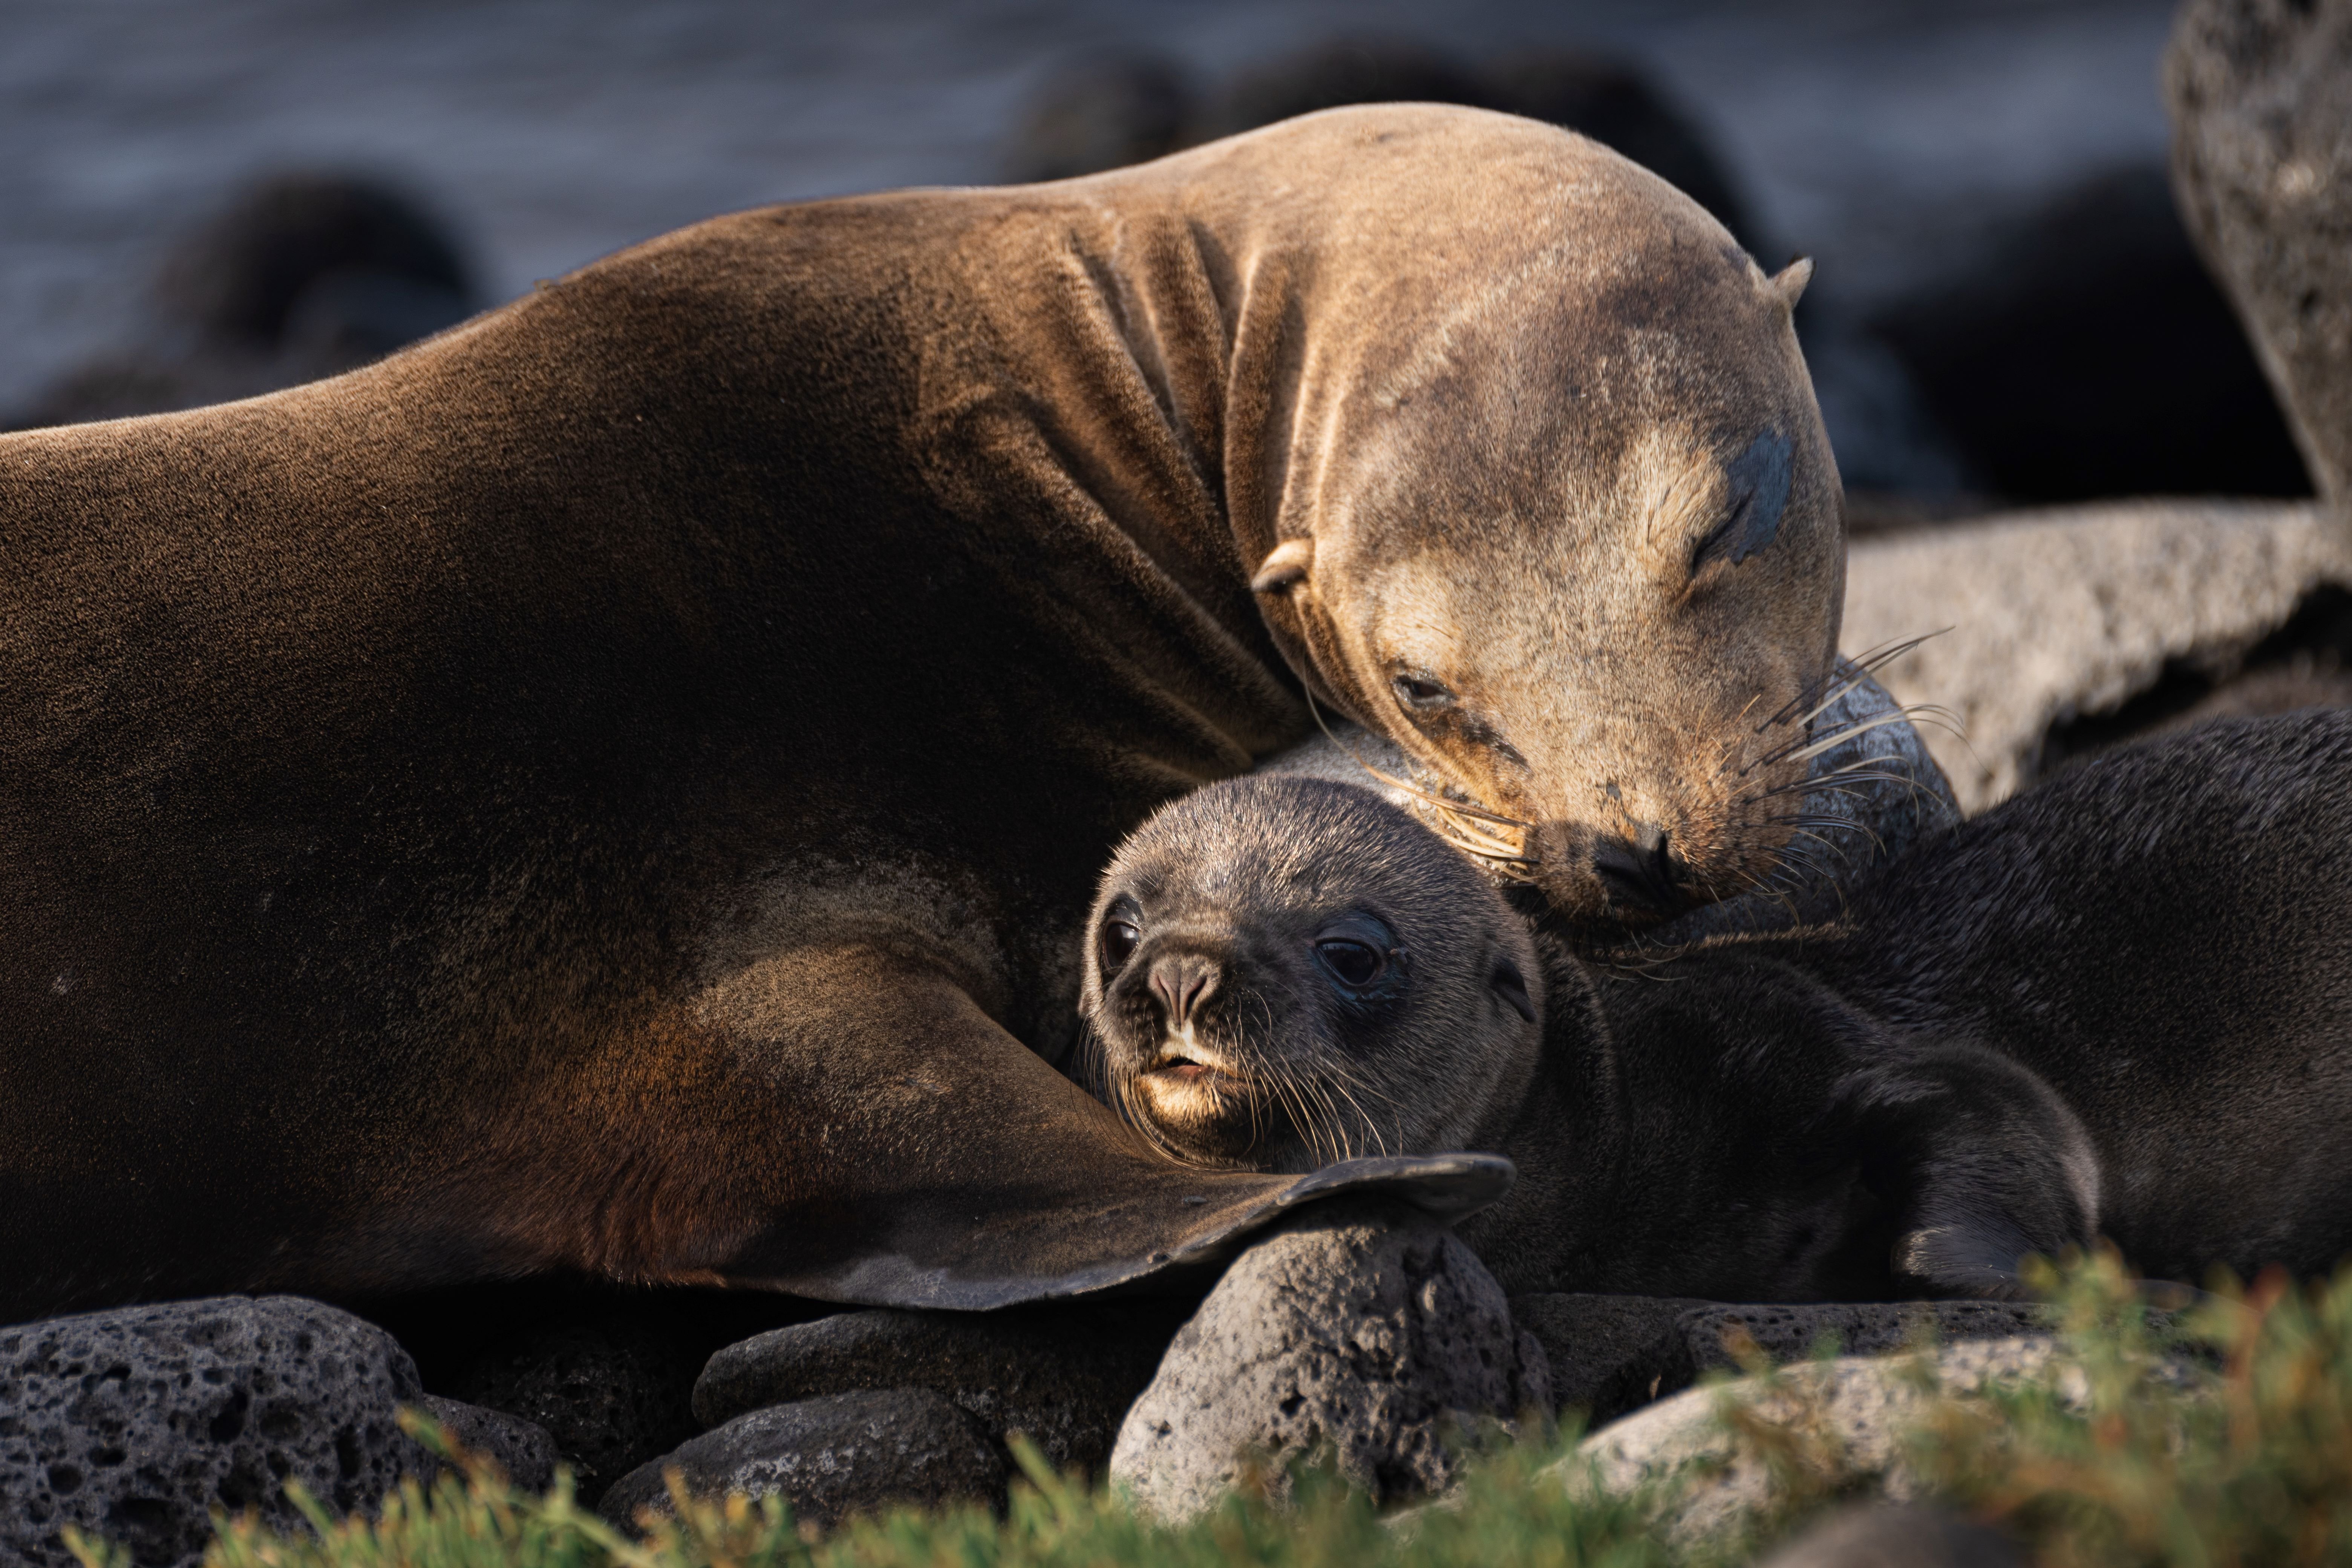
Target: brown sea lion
[2118,1004]
[617,786]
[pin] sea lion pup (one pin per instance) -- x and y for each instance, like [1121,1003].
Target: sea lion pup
[2118,1004]
[617,786]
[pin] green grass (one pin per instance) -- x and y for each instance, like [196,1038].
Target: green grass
[2248,1459]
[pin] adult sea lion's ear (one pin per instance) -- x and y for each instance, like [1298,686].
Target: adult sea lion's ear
[1285,566]
[1790,282]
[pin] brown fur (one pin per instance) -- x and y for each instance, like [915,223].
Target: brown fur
[615,787]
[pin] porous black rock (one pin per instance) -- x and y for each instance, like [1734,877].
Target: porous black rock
[1362,1327]
[134,1425]
[1061,1375]
[1709,1338]
[2261,96]
[522,1450]
[1612,1354]
[829,1458]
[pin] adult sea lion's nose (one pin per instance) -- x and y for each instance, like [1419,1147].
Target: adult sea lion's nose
[1183,980]
[1640,869]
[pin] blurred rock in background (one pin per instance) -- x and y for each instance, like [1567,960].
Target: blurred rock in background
[2081,350]
[2077,629]
[2261,96]
[1101,112]
[300,275]
[2061,633]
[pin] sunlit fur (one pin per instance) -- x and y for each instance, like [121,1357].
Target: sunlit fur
[1604,685]
[1247,875]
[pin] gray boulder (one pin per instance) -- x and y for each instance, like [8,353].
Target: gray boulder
[2261,95]
[2048,618]
[1063,1376]
[134,1425]
[829,1458]
[523,1450]
[1612,1354]
[1847,1423]
[1359,1327]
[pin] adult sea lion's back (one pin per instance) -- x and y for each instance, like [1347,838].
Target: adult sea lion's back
[616,786]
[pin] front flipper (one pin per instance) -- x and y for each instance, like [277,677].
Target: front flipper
[1985,1163]
[926,1158]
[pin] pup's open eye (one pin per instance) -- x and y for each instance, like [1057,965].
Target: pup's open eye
[1119,940]
[1352,962]
[1419,691]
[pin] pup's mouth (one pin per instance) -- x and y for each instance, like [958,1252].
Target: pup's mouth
[1192,1066]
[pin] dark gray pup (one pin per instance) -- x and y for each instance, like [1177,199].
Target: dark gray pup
[2120,1005]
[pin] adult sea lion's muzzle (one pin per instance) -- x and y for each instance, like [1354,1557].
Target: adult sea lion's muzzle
[1642,871]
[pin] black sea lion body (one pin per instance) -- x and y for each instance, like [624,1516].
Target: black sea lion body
[2119,1005]
[614,787]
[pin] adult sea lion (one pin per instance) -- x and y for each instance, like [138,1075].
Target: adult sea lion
[617,786]
[2120,1003]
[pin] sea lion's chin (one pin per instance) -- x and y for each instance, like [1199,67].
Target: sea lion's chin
[1202,1111]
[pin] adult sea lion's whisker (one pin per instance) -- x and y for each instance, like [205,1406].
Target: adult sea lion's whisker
[1831,743]
[1835,848]
[1819,785]
[1941,717]
[1874,659]
[1862,663]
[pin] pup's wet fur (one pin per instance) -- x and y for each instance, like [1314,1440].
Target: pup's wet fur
[2119,1005]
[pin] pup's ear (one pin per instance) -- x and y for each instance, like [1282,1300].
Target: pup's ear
[1790,282]
[1285,566]
[1512,987]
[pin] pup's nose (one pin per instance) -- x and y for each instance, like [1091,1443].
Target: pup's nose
[1183,980]
[1640,869]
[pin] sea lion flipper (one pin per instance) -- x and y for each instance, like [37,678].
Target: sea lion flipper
[958,1169]
[1986,1165]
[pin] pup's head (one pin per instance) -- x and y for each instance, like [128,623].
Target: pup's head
[1285,971]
